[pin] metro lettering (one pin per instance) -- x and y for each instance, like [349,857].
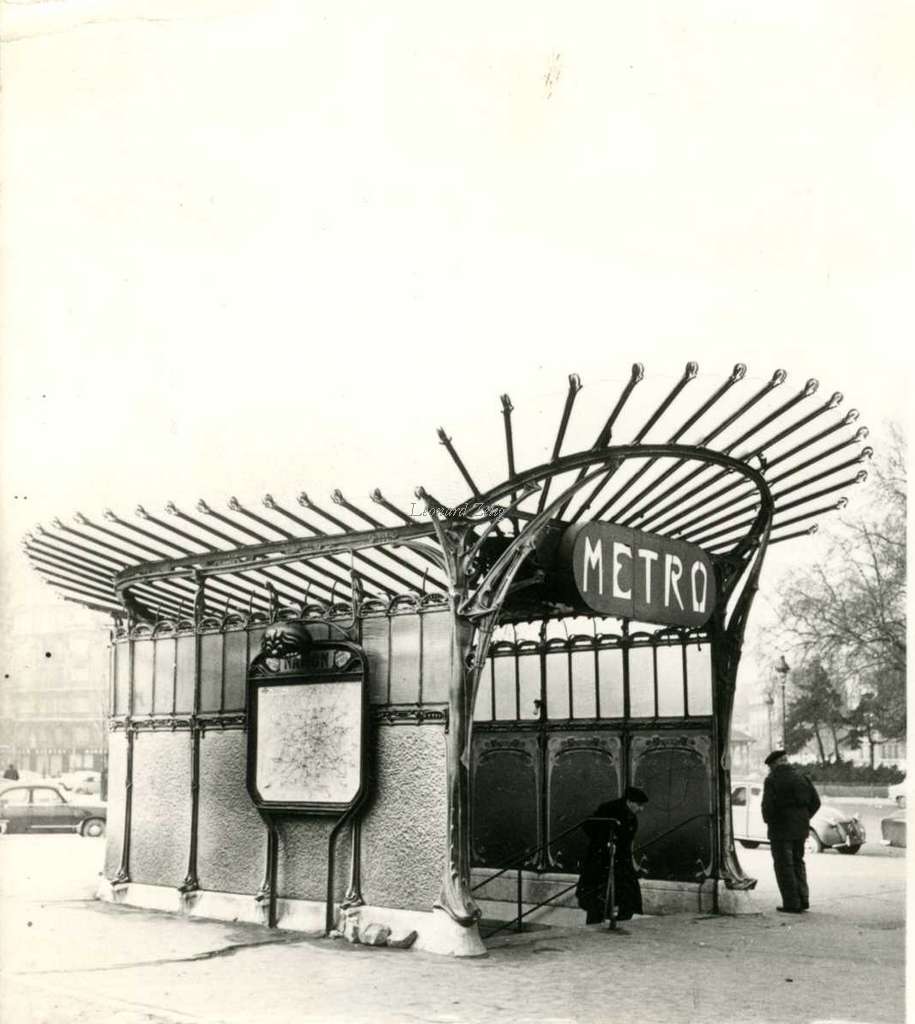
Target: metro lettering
[619,550]
[672,579]
[648,556]
[698,567]
[594,559]
[644,577]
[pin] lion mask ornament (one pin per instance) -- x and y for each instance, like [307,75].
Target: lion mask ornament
[284,648]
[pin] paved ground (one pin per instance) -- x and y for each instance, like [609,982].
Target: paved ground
[68,959]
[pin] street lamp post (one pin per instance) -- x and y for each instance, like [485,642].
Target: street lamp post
[866,709]
[782,668]
[769,701]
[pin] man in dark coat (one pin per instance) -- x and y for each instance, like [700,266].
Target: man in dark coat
[620,822]
[11,773]
[789,802]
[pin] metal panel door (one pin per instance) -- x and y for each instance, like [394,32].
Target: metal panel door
[583,768]
[675,837]
[506,783]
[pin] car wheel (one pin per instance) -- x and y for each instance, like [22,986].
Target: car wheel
[93,827]
[812,843]
[750,844]
[849,849]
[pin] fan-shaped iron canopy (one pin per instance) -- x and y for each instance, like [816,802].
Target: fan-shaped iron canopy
[734,469]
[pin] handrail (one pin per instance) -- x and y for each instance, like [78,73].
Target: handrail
[517,863]
[680,824]
[520,860]
[533,851]
[520,917]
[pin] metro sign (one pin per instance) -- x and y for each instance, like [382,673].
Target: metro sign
[630,574]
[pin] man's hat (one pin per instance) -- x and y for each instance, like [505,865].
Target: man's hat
[774,756]
[636,795]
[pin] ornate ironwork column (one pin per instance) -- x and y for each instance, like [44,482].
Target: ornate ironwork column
[122,877]
[727,645]
[475,598]
[191,883]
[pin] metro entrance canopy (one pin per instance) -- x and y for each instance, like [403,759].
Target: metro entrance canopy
[667,528]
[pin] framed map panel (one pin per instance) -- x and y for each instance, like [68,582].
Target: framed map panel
[306,735]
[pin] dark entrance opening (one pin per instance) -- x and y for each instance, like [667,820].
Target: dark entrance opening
[565,722]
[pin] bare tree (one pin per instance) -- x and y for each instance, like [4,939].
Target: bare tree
[847,613]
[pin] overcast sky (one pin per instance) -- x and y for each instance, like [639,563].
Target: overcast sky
[268,246]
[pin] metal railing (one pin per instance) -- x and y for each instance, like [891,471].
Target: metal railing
[517,863]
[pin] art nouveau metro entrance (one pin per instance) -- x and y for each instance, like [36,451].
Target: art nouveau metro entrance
[529,650]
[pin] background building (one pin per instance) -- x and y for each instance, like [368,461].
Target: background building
[745,753]
[54,690]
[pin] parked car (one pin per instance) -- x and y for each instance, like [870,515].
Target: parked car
[897,793]
[829,828]
[85,781]
[43,807]
[892,830]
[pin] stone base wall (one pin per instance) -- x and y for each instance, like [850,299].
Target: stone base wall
[117,799]
[232,844]
[403,823]
[431,931]
[160,821]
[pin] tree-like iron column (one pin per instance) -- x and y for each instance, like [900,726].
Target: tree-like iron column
[727,644]
[475,600]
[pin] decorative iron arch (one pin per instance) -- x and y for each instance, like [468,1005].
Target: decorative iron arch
[476,600]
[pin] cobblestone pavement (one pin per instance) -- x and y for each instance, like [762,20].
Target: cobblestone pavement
[79,961]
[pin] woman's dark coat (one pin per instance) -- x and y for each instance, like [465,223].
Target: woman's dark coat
[592,885]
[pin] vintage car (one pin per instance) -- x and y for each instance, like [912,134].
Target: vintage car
[897,793]
[43,807]
[829,827]
[83,780]
[892,830]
